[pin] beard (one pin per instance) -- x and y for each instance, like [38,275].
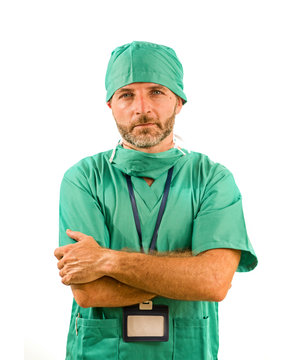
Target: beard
[148,136]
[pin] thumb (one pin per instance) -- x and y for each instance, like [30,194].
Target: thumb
[76,235]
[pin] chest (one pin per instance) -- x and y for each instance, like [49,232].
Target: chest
[175,231]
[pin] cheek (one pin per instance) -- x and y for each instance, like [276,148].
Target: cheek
[122,119]
[166,106]
[122,105]
[121,112]
[168,111]
[118,115]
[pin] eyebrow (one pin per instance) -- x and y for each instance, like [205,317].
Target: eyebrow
[157,87]
[153,87]
[123,90]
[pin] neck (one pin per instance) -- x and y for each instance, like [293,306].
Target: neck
[164,145]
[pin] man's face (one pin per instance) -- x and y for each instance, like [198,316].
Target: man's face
[145,113]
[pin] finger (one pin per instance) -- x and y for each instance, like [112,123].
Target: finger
[59,252]
[66,280]
[62,273]
[62,250]
[60,264]
[76,235]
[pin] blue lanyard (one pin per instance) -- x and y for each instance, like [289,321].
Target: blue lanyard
[160,213]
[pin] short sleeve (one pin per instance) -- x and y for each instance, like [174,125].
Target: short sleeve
[80,210]
[220,221]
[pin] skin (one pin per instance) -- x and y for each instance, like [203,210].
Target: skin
[145,111]
[100,277]
[136,277]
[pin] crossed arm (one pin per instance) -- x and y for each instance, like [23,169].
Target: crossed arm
[109,278]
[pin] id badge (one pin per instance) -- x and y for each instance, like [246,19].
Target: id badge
[146,322]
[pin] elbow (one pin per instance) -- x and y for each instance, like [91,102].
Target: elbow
[219,296]
[219,287]
[82,302]
[221,293]
[214,294]
[81,297]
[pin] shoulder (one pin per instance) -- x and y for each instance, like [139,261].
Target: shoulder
[207,168]
[87,168]
[210,176]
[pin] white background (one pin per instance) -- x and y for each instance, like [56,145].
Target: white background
[240,63]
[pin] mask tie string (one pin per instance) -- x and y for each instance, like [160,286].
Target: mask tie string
[177,146]
[174,140]
[114,151]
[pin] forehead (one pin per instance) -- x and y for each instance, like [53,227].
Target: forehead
[141,86]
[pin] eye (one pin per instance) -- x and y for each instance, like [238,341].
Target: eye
[125,95]
[156,92]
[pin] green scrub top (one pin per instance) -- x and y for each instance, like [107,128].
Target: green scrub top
[203,212]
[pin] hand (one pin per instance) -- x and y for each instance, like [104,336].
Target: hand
[82,262]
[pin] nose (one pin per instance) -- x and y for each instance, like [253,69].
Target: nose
[142,105]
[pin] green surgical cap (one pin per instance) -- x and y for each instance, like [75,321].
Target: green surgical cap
[142,61]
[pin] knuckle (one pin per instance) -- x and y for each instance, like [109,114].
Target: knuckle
[57,253]
[66,280]
[66,249]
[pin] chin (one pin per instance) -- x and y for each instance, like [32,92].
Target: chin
[144,141]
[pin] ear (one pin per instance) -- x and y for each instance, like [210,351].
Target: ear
[109,104]
[179,105]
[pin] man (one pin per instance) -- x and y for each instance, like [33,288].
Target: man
[150,234]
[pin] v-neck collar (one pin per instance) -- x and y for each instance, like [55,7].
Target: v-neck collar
[151,195]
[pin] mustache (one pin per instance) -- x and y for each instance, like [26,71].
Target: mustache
[144,119]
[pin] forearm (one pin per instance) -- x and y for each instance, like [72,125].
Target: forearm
[108,292]
[205,277]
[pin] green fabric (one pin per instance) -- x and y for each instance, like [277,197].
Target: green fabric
[141,164]
[142,61]
[203,212]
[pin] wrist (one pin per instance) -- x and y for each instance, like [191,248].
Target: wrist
[112,262]
[123,264]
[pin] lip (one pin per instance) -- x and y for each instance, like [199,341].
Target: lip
[149,124]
